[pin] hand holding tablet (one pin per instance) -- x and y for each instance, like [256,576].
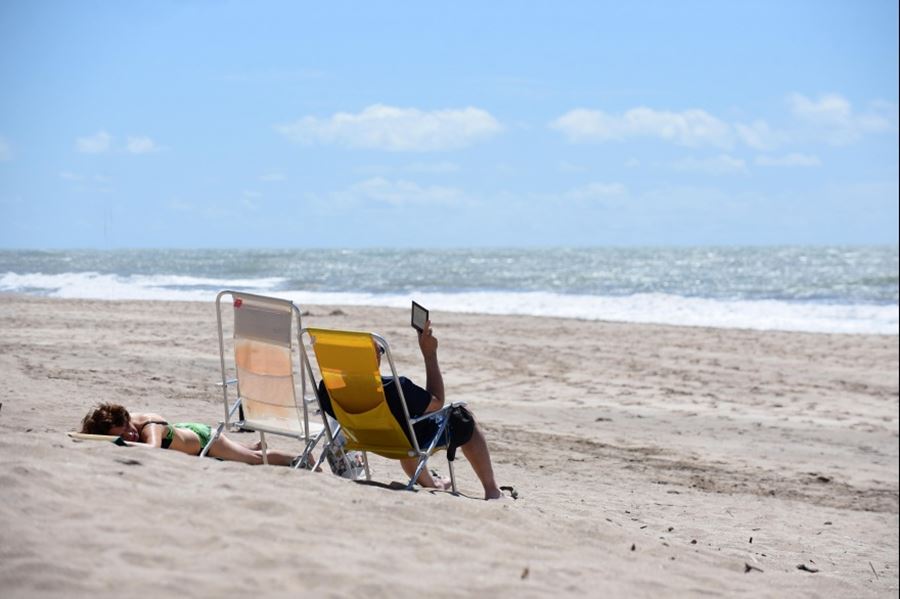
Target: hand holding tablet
[419,317]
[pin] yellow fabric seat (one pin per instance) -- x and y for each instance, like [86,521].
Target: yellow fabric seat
[349,367]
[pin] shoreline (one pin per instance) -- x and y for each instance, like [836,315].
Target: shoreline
[337,306]
[683,442]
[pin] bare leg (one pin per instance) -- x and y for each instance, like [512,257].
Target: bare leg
[476,451]
[425,478]
[226,449]
[270,454]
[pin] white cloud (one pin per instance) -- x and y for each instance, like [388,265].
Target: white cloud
[402,193]
[5,151]
[831,118]
[597,192]
[829,108]
[97,143]
[723,164]
[789,160]
[692,128]
[79,178]
[141,145]
[396,129]
[759,135]
[428,168]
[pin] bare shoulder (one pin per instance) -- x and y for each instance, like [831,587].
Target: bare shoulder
[145,417]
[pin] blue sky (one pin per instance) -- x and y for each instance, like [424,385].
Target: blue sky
[289,124]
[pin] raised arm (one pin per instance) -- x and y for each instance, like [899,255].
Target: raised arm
[434,380]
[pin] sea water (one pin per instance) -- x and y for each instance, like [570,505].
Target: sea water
[817,289]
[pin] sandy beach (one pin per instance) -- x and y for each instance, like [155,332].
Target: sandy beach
[649,461]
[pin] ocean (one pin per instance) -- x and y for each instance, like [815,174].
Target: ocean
[790,288]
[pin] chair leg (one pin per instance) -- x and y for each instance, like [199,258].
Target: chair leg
[262,445]
[452,477]
[423,459]
[366,462]
[302,461]
[310,445]
[212,440]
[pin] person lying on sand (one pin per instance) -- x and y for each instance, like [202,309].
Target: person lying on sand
[187,437]
[422,401]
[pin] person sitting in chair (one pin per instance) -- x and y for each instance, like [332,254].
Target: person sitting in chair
[421,401]
[187,437]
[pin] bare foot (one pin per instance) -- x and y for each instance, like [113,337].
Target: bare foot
[444,484]
[506,493]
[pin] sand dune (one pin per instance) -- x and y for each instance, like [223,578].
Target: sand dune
[650,460]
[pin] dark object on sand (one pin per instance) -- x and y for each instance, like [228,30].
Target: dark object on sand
[806,568]
[748,568]
[512,491]
[632,547]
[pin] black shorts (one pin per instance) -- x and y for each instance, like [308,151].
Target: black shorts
[458,432]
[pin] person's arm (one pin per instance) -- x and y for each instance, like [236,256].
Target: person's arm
[434,380]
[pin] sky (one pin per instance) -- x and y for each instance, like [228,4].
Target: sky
[466,124]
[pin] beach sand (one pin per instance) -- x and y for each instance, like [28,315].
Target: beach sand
[649,460]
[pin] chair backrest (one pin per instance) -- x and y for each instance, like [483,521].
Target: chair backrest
[348,363]
[263,362]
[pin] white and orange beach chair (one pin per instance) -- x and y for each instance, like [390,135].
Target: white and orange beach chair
[259,386]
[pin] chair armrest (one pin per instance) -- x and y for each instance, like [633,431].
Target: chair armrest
[442,412]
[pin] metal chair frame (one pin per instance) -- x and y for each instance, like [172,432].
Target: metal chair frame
[305,435]
[442,415]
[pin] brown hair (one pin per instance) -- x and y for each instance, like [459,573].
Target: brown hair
[105,417]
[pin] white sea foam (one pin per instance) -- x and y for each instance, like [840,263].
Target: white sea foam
[656,308]
[92,285]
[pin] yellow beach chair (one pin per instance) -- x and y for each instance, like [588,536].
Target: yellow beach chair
[265,391]
[348,364]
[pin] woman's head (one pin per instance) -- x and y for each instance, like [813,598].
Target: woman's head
[106,419]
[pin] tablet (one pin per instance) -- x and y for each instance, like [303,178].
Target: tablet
[419,317]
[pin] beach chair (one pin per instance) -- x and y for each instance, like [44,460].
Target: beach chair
[264,387]
[348,364]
